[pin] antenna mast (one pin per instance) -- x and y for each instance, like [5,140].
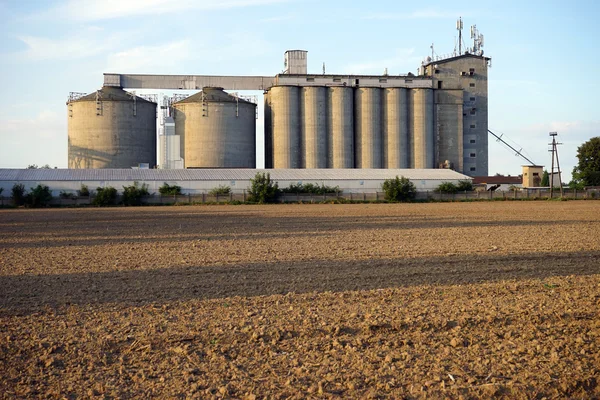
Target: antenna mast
[554,152]
[459,28]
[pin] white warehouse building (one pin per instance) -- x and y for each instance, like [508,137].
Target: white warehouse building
[197,181]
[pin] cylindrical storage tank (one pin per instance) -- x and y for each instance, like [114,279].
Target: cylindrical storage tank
[111,128]
[395,128]
[367,128]
[340,121]
[285,120]
[218,130]
[268,132]
[313,126]
[422,128]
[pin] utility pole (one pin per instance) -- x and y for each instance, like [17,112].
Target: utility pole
[554,152]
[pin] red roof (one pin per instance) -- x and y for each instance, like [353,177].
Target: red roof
[498,180]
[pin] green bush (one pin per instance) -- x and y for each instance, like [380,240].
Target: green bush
[465,186]
[263,189]
[84,191]
[39,196]
[220,191]
[168,190]
[132,195]
[399,189]
[105,196]
[18,194]
[310,188]
[67,195]
[447,187]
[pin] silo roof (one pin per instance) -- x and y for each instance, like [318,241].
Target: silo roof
[110,93]
[217,95]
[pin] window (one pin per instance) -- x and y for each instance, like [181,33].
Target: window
[536,174]
[439,84]
[472,155]
[356,82]
[437,71]
[472,98]
[310,79]
[472,84]
[472,169]
[408,81]
[472,126]
[463,73]
[337,79]
[382,80]
[473,111]
[472,141]
[471,71]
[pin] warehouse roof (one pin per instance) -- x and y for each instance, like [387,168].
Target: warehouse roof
[222,174]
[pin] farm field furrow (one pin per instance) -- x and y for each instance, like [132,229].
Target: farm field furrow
[302,301]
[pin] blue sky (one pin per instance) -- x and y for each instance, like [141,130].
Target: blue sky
[545,56]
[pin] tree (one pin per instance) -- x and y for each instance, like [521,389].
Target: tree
[587,171]
[263,189]
[399,189]
[18,194]
[545,179]
[39,196]
[132,195]
[447,187]
[168,190]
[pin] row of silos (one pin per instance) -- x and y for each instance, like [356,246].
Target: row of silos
[344,127]
[112,128]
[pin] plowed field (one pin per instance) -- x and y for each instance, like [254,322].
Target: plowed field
[445,300]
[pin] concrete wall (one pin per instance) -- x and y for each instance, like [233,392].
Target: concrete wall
[449,129]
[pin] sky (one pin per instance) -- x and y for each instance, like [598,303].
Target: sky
[545,55]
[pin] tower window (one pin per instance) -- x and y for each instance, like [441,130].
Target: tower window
[473,111]
[471,71]
[337,79]
[310,79]
[472,98]
[472,126]
[472,141]
[437,71]
[382,80]
[472,169]
[439,84]
[472,155]
[472,84]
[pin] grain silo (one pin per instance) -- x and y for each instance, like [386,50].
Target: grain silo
[285,127]
[111,128]
[313,126]
[395,128]
[217,130]
[367,128]
[421,122]
[340,129]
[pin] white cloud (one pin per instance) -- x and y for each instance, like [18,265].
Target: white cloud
[404,61]
[46,125]
[150,59]
[91,10]
[427,13]
[41,48]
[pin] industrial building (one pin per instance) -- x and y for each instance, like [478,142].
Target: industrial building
[435,119]
[196,181]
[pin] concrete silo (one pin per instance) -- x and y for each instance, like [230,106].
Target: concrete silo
[421,123]
[340,127]
[367,128]
[285,126]
[217,130]
[111,128]
[313,126]
[449,129]
[395,128]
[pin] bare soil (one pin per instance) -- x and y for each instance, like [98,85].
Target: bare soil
[446,300]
